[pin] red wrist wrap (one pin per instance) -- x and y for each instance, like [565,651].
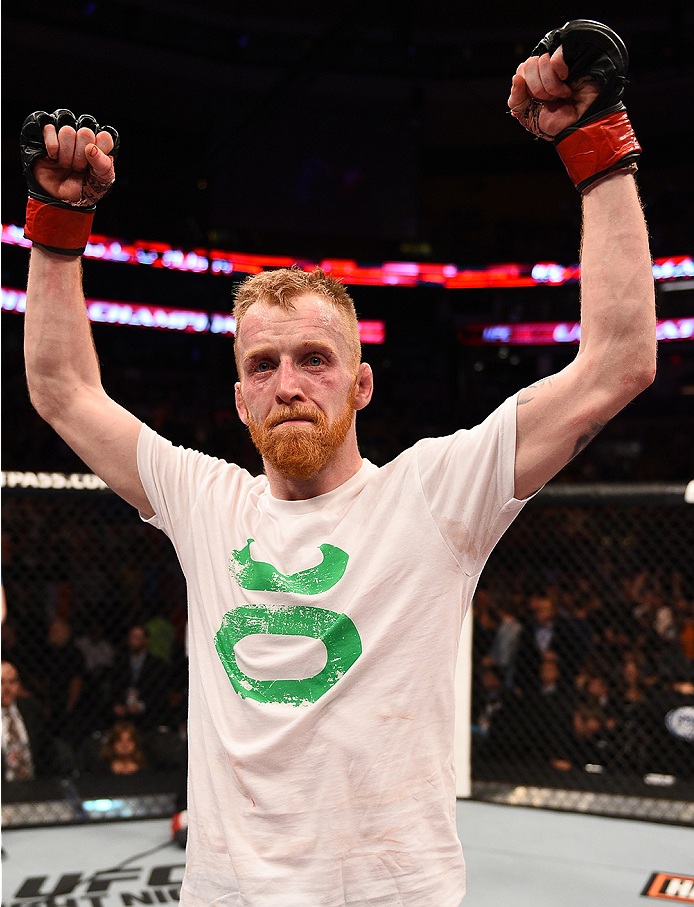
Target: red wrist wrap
[597,148]
[58,229]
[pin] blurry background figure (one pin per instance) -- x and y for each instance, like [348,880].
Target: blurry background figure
[99,656]
[162,637]
[27,749]
[15,649]
[505,644]
[592,737]
[122,752]
[59,676]
[140,682]
[98,653]
[544,716]
[543,632]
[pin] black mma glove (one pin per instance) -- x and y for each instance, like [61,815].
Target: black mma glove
[57,225]
[602,139]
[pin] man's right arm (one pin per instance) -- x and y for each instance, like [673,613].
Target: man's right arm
[64,378]
[61,363]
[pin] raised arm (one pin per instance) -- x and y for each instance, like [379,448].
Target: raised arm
[616,359]
[66,177]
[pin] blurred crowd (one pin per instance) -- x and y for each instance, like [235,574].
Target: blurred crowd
[75,704]
[575,679]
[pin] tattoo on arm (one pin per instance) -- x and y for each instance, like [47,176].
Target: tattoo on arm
[527,394]
[585,439]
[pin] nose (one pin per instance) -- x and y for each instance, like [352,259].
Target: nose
[288,387]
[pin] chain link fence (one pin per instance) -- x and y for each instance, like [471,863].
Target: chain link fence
[583,653]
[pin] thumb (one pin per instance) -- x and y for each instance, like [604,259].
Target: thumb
[100,163]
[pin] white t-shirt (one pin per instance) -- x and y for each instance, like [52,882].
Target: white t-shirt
[323,644]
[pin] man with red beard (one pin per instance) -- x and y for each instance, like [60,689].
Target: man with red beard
[326,596]
[298,357]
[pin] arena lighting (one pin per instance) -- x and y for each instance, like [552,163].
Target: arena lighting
[188,321]
[542,333]
[391,273]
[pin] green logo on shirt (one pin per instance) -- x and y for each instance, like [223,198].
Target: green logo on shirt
[260,576]
[336,631]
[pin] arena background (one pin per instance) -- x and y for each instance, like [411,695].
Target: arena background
[374,132]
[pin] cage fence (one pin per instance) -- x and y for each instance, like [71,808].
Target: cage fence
[583,653]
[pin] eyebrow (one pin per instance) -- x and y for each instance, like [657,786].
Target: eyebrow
[267,349]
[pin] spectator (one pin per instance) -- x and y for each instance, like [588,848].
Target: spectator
[140,682]
[545,717]
[60,674]
[14,648]
[631,710]
[672,664]
[493,716]
[162,637]
[98,653]
[592,739]
[27,749]
[580,628]
[544,632]
[484,627]
[596,691]
[505,643]
[487,698]
[122,752]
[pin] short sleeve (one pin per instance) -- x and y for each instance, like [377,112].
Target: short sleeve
[468,482]
[175,478]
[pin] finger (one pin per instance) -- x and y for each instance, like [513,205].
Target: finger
[50,140]
[559,63]
[66,146]
[519,92]
[101,164]
[551,82]
[104,141]
[83,138]
[531,74]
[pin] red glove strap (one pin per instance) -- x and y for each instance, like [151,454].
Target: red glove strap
[58,229]
[598,147]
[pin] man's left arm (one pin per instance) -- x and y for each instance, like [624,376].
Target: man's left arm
[558,416]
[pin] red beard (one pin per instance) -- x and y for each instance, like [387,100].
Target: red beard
[301,451]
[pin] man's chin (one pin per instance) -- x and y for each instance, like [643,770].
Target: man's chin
[300,448]
[296,463]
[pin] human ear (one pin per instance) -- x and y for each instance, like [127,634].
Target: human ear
[240,403]
[365,386]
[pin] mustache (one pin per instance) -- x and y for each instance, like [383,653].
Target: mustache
[286,413]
